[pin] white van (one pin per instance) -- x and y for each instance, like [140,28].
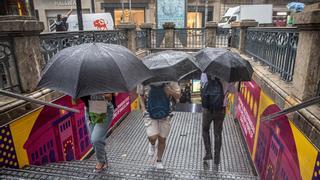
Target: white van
[261,13]
[97,21]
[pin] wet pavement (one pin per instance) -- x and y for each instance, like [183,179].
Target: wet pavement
[127,148]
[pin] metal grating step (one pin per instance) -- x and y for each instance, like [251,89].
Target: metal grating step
[27,174]
[127,153]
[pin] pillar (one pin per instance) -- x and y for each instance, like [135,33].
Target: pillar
[169,34]
[25,56]
[306,77]
[130,28]
[211,34]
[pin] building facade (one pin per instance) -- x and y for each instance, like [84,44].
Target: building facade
[143,11]
[47,10]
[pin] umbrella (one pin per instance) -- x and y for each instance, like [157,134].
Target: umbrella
[94,68]
[223,63]
[169,65]
[295,6]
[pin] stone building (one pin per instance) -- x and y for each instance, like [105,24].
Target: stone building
[145,10]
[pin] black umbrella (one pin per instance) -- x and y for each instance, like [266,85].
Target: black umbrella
[94,68]
[225,64]
[169,65]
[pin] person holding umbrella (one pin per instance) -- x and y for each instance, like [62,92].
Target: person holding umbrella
[157,116]
[223,68]
[214,101]
[98,114]
[88,71]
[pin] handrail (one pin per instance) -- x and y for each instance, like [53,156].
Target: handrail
[297,107]
[18,96]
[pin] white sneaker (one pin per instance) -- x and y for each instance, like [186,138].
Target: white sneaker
[159,165]
[151,149]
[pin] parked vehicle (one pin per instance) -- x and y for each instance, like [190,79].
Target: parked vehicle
[260,13]
[97,21]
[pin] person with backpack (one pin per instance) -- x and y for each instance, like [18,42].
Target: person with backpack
[157,119]
[61,23]
[213,97]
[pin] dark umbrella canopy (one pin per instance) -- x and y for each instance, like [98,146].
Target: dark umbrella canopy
[225,64]
[94,68]
[169,65]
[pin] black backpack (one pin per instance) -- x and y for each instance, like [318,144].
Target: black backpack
[212,95]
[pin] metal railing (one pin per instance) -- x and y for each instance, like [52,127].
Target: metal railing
[157,38]
[274,47]
[51,43]
[235,38]
[223,37]
[189,38]
[9,77]
[141,39]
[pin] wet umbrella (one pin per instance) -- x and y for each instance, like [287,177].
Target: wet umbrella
[225,64]
[94,68]
[295,6]
[169,65]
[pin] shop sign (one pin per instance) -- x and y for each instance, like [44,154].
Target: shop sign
[65,3]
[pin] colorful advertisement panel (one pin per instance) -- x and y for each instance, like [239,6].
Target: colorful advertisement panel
[171,11]
[278,148]
[51,135]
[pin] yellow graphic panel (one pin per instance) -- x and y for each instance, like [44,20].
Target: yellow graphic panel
[135,104]
[307,153]
[265,101]
[20,130]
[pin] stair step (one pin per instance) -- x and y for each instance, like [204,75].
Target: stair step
[139,171]
[29,174]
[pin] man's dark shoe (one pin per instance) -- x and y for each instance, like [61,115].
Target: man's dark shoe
[208,156]
[216,159]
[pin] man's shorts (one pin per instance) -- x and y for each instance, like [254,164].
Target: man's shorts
[159,127]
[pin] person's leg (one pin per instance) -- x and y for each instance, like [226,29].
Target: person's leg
[161,147]
[152,129]
[164,127]
[218,125]
[206,121]
[98,139]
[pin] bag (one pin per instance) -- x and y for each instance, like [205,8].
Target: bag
[158,103]
[97,110]
[212,95]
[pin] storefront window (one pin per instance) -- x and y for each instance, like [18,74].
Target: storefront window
[194,20]
[16,7]
[136,14]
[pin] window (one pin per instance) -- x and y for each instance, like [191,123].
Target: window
[137,16]
[40,151]
[51,143]
[80,133]
[82,146]
[61,128]
[36,155]
[87,141]
[232,19]
[32,157]
[69,124]
[85,130]
[44,148]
